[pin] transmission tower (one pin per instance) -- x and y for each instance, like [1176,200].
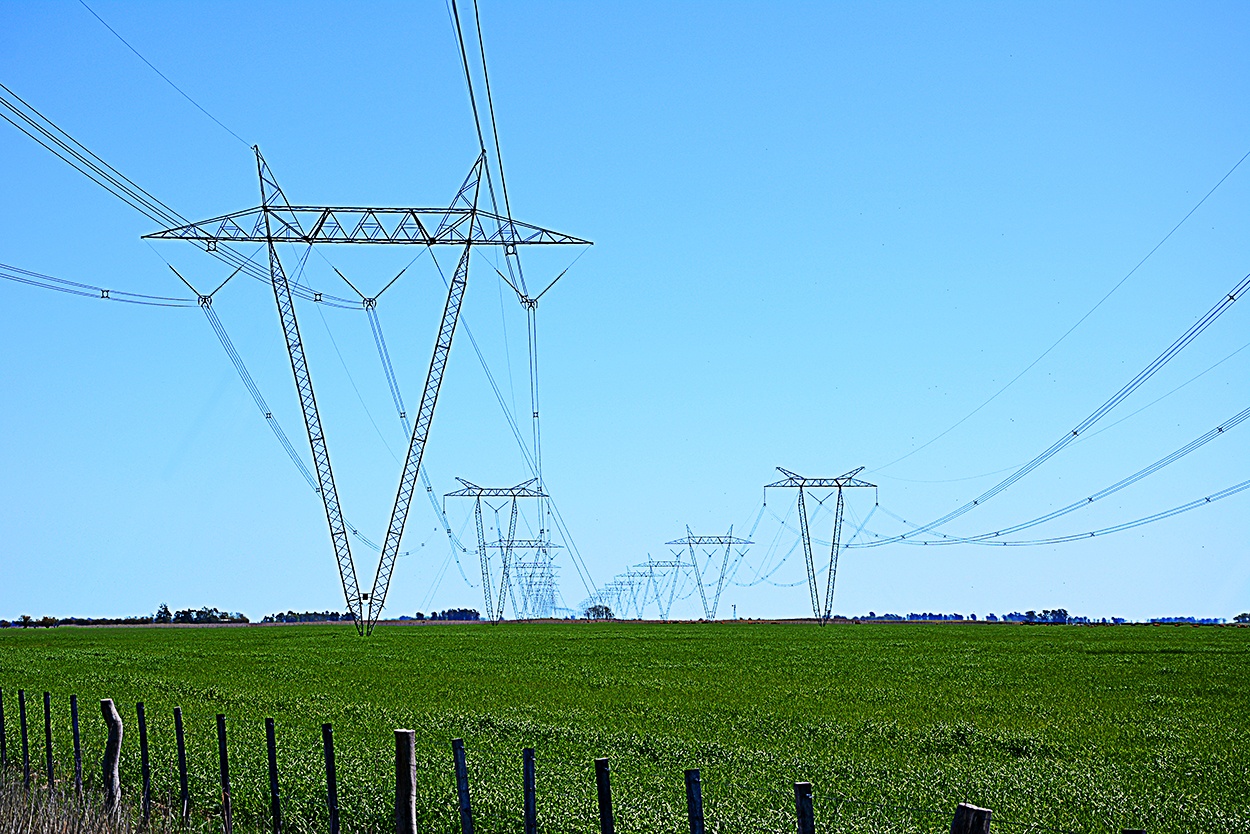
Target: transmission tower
[708,546]
[507,546]
[837,484]
[275,220]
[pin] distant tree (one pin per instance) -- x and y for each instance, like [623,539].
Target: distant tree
[1242,618]
[163,615]
[598,612]
[46,622]
[26,621]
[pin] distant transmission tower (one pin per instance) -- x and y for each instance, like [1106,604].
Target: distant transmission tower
[802,484]
[276,221]
[537,585]
[709,546]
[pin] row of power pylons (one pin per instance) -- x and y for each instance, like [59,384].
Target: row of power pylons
[705,564]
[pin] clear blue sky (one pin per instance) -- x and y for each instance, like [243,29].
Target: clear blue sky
[824,234]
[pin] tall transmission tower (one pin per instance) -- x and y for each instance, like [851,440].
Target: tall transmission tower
[795,481]
[708,546]
[462,224]
[505,545]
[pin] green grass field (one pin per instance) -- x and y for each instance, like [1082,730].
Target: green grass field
[1074,728]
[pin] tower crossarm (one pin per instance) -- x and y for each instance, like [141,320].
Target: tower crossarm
[366,224]
[718,541]
[525,489]
[794,480]
[523,544]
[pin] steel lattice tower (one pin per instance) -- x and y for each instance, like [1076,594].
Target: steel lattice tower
[802,484]
[462,224]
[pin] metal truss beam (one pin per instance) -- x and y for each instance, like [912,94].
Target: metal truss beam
[364,224]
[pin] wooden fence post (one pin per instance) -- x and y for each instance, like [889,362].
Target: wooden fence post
[803,810]
[184,794]
[332,785]
[112,758]
[405,782]
[694,801]
[47,736]
[969,819]
[530,788]
[73,720]
[275,804]
[462,786]
[603,785]
[227,823]
[145,768]
[21,715]
[4,741]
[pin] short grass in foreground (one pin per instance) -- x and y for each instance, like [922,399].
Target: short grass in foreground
[1083,729]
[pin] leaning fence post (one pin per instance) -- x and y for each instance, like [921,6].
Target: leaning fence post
[184,795]
[332,785]
[21,714]
[227,824]
[694,801]
[112,757]
[530,789]
[275,805]
[462,786]
[969,819]
[803,810]
[405,782]
[73,720]
[144,764]
[603,785]
[47,736]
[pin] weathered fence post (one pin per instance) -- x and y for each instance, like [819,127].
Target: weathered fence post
[4,741]
[73,720]
[405,782]
[184,794]
[227,823]
[144,764]
[462,786]
[603,785]
[803,811]
[271,747]
[530,789]
[112,758]
[21,716]
[694,801]
[332,784]
[47,736]
[969,819]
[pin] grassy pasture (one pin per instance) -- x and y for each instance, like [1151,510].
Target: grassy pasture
[1080,729]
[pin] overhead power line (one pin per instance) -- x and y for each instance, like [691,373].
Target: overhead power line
[163,76]
[1219,431]
[1070,330]
[1132,385]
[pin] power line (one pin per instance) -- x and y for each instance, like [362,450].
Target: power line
[1219,431]
[162,75]
[1132,385]
[1086,437]
[1079,322]
[48,282]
